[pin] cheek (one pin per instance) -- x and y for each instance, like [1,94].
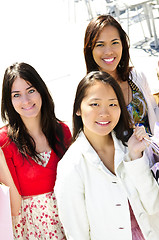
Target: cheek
[95,54]
[88,116]
[39,99]
[14,103]
[118,113]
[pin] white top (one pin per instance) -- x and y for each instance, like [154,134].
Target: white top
[153,110]
[93,202]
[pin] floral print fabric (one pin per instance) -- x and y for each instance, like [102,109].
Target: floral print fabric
[137,108]
[38,217]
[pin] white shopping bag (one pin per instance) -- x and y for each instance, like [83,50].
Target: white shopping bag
[6,232]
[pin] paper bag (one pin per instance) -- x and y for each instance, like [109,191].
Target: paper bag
[6,232]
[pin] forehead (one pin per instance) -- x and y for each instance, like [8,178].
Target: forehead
[100,90]
[109,32]
[19,83]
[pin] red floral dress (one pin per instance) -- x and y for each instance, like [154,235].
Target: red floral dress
[38,216]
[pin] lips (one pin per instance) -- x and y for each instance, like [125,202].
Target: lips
[28,108]
[109,60]
[103,123]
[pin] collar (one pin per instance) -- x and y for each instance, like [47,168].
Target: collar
[91,155]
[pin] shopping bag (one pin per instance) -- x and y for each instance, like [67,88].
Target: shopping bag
[6,232]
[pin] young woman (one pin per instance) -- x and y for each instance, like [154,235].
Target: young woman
[104,189]
[32,143]
[106,48]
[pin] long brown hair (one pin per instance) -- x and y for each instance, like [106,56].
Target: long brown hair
[17,131]
[92,33]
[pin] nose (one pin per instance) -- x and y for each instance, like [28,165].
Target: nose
[108,50]
[25,99]
[104,112]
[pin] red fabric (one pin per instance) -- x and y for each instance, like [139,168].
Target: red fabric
[29,177]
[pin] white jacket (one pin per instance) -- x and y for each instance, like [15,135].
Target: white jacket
[93,203]
[153,110]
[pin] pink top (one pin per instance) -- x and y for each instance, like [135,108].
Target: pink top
[135,229]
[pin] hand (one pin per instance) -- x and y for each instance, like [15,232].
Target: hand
[136,143]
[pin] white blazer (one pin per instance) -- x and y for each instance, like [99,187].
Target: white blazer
[93,202]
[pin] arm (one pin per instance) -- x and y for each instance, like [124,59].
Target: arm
[69,191]
[6,178]
[137,167]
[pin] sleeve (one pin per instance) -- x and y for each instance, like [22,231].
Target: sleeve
[69,191]
[12,169]
[141,176]
[155,171]
[10,153]
[67,135]
[149,96]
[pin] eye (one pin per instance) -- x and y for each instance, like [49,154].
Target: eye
[31,90]
[16,95]
[113,105]
[99,45]
[114,43]
[94,104]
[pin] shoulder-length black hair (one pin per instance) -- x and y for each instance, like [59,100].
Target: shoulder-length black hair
[92,33]
[123,128]
[17,131]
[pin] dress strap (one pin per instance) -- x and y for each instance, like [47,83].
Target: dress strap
[133,85]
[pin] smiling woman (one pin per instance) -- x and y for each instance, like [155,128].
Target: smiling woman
[103,184]
[32,143]
[106,48]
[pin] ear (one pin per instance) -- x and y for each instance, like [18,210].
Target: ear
[78,113]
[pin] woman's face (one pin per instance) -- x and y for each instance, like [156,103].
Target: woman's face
[100,110]
[26,99]
[107,52]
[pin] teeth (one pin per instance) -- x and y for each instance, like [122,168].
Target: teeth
[28,108]
[108,59]
[103,123]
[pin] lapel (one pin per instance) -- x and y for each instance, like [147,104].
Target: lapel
[92,157]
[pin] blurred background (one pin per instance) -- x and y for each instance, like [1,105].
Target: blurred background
[49,35]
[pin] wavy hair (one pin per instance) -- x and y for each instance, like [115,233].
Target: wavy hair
[17,131]
[92,33]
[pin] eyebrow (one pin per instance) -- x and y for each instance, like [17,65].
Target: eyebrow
[96,99]
[19,91]
[118,39]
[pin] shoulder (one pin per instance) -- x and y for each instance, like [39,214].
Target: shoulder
[3,135]
[137,75]
[139,78]
[65,128]
[74,156]
[66,132]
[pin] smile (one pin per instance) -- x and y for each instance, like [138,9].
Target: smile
[29,108]
[103,123]
[108,60]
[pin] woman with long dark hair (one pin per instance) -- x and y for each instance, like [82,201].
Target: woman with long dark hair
[32,143]
[104,186]
[106,48]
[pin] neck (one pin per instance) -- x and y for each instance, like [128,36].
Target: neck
[33,126]
[100,143]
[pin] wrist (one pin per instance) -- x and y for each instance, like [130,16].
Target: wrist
[134,156]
